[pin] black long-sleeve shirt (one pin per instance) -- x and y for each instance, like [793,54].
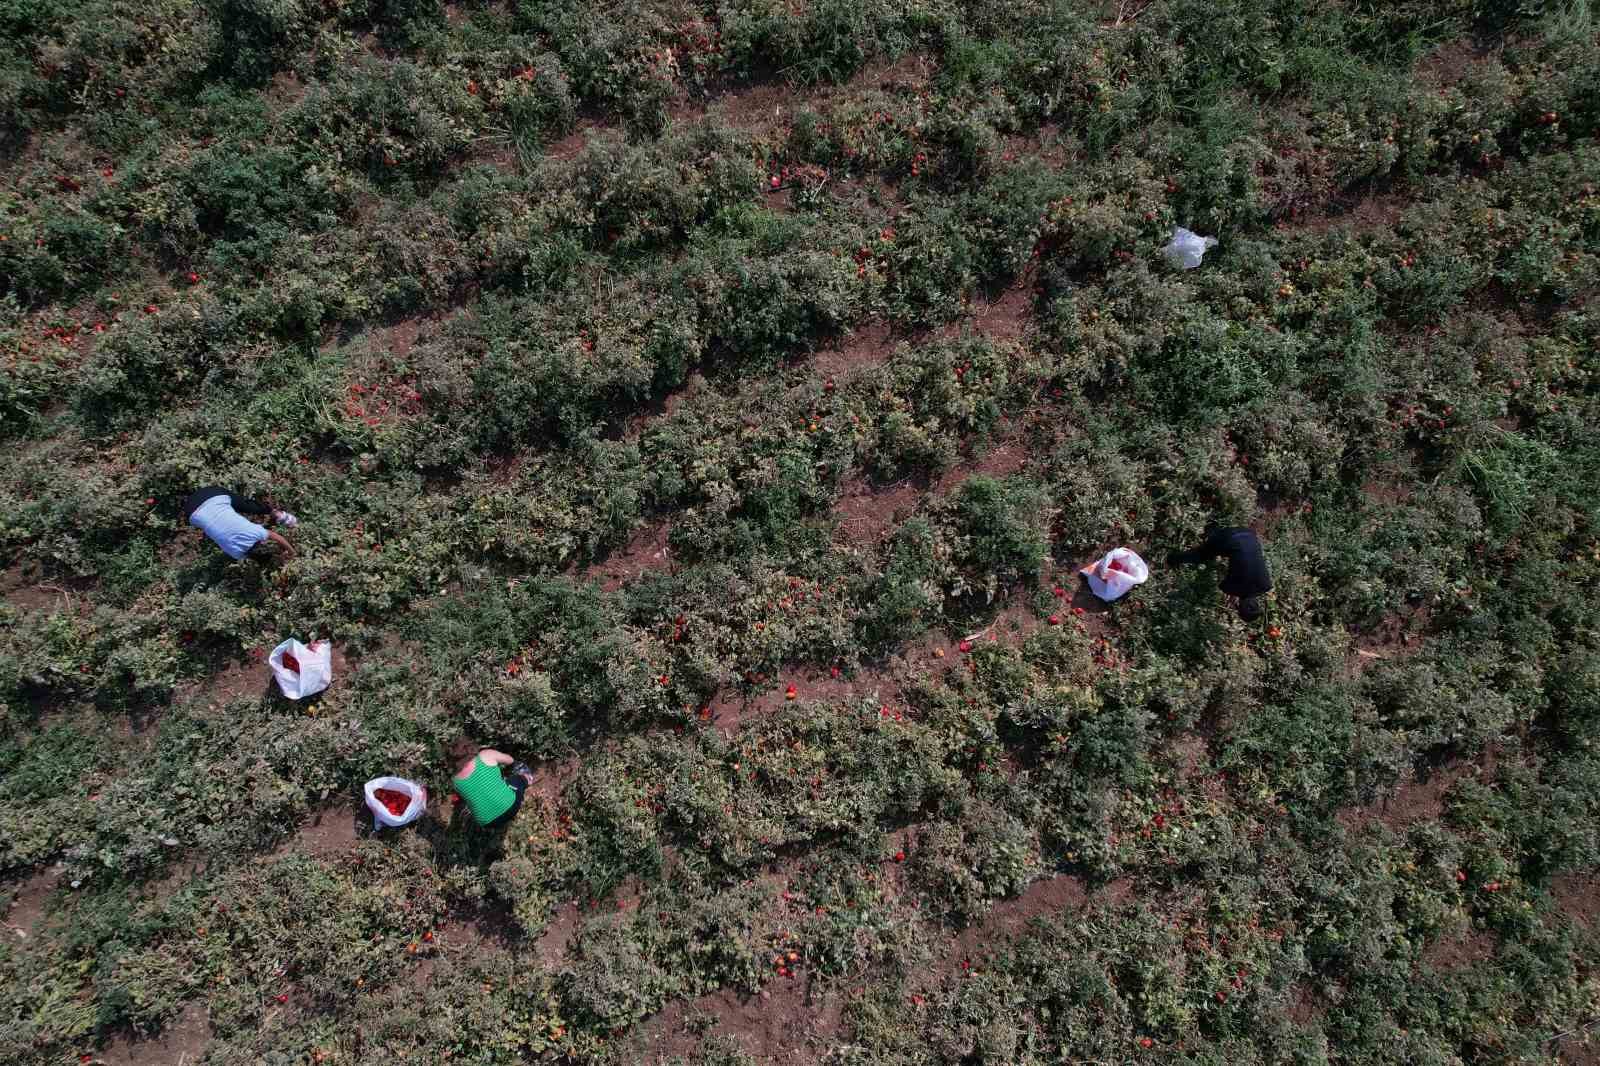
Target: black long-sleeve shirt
[1247,563]
[242,504]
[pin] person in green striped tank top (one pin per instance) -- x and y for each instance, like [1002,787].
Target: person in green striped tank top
[492,797]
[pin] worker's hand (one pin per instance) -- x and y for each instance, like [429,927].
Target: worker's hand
[282,543]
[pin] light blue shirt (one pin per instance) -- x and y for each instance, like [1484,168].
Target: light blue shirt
[234,533]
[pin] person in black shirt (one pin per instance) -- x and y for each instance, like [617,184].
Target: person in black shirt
[1247,576]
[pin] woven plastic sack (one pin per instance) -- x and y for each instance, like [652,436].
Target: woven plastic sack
[302,670]
[1114,576]
[1186,249]
[381,815]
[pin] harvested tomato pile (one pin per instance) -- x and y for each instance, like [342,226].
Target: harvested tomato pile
[290,662]
[395,802]
[1116,564]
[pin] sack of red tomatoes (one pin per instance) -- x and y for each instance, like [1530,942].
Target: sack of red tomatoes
[394,801]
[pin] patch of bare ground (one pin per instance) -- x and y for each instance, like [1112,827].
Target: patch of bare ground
[285,91]
[1306,1007]
[248,680]
[329,833]
[551,779]
[1003,459]
[1009,918]
[1449,63]
[731,709]
[867,345]
[865,512]
[1577,895]
[646,553]
[1579,1046]
[1003,319]
[1386,492]
[1418,799]
[1377,211]
[19,591]
[573,144]
[1395,636]
[551,947]
[25,901]
[789,1022]
[772,105]
[759,107]
[663,407]
[181,1042]
[1454,951]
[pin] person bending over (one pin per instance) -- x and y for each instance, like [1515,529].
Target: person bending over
[220,514]
[493,799]
[1247,576]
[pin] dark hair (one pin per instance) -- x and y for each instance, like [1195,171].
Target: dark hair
[464,749]
[1250,608]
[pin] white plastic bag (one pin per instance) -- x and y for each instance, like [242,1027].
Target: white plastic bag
[302,670]
[1186,249]
[380,813]
[1112,582]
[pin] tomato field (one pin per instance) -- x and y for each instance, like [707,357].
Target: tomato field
[711,405]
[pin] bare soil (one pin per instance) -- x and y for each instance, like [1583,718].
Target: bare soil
[18,590]
[788,1023]
[646,553]
[866,512]
[1577,895]
[1005,319]
[235,681]
[572,145]
[1456,952]
[182,1042]
[1010,918]
[1395,636]
[330,833]
[1001,460]
[1419,799]
[551,947]
[869,344]
[1366,214]
[26,901]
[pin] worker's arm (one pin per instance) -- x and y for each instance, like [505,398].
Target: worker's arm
[283,545]
[495,758]
[1213,546]
[245,505]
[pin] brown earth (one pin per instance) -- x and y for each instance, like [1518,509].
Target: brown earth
[1002,460]
[1004,319]
[866,512]
[1577,895]
[248,680]
[646,553]
[869,344]
[19,591]
[770,106]
[1395,636]
[551,947]
[181,1042]
[789,1022]
[1367,213]
[1306,1006]
[572,145]
[1009,918]
[26,901]
[1418,799]
[329,833]
[1454,952]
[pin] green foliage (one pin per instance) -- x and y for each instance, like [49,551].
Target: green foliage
[627,365]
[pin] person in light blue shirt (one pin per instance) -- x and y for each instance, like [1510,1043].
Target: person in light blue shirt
[217,512]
